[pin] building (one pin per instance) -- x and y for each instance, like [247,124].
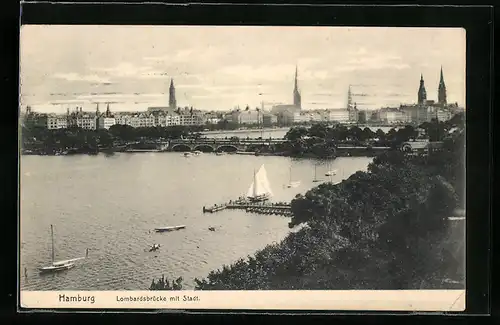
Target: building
[189,116]
[290,117]
[392,115]
[82,119]
[104,122]
[172,102]
[362,117]
[442,90]
[422,93]
[297,99]
[276,109]
[247,116]
[352,108]
[269,119]
[167,119]
[339,115]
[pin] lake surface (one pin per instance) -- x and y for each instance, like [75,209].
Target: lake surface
[267,133]
[111,204]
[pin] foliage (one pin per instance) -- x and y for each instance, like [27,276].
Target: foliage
[164,284]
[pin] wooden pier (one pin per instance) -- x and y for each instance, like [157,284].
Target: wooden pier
[261,208]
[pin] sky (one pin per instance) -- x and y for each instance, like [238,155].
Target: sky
[221,67]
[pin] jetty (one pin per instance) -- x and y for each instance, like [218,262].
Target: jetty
[261,208]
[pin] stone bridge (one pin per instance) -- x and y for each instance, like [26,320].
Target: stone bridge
[220,145]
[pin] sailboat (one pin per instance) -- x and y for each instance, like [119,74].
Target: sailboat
[60,265]
[292,183]
[259,190]
[316,179]
[331,172]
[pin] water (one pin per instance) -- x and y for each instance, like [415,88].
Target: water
[110,204]
[268,133]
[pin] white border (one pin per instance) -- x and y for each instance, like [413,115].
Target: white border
[334,300]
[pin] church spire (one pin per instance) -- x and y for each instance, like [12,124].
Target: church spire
[422,93]
[442,89]
[172,102]
[349,98]
[296,94]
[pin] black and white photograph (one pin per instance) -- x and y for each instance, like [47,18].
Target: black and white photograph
[186,160]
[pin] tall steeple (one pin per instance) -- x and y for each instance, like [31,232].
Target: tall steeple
[296,94]
[97,113]
[442,89]
[172,102]
[108,111]
[422,94]
[349,98]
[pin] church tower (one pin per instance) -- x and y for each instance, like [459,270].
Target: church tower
[422,94]
[172,102]
[442,89]
[349,98]
[296,94]
[108,111]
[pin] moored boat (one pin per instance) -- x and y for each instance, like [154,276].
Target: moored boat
[60,265]
[172,228]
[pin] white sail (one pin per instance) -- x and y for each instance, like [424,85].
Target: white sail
[260,185]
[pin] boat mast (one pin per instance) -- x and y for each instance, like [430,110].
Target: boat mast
[52,236]
[254,183]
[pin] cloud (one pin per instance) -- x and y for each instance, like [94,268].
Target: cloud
[77,77]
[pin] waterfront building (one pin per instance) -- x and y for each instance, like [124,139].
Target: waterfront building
[392,115]
[48,121]
[104,122]
[362,117]
[189,116]
[269,119]
[81,119]
[290,117]
[247,116]
[167,119]
[339,115]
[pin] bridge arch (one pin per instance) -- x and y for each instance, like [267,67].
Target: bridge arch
[204,148]
[227,148]
[181,147]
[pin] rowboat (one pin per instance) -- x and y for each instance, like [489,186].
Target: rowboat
[162,229]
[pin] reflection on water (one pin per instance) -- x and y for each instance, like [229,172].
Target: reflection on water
[111,204]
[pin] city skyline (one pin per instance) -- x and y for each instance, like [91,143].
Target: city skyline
[218,68]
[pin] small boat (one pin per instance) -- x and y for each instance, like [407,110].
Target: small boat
[154,247]
[220,153]
[162,229]
[316,179]
[187,154]
[60,265]
[331,172]
[292,183]
[211,228]
[197,153]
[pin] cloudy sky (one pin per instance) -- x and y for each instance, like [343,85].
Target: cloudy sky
[217,68]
